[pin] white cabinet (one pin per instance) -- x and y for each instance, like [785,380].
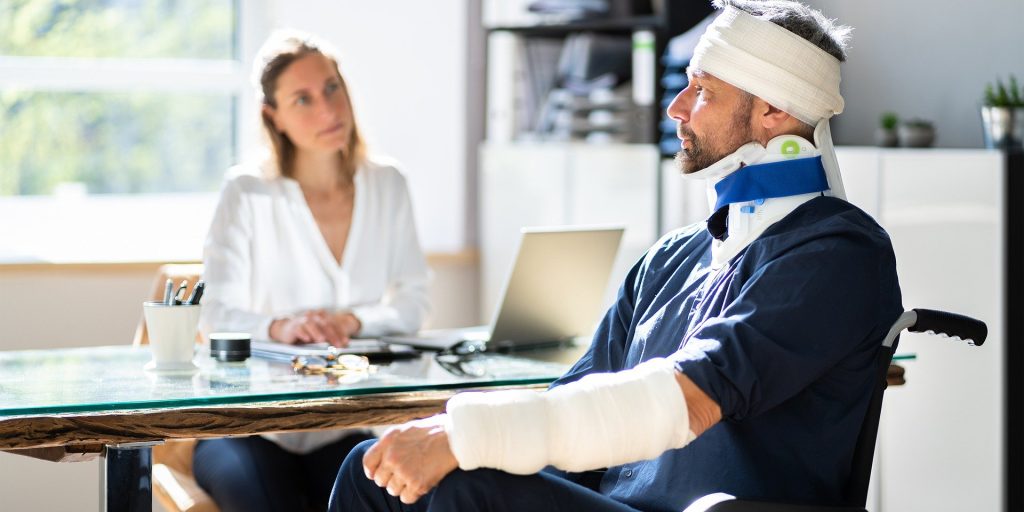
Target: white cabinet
[553,184]
[941,442]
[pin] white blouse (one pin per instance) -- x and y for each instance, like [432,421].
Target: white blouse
[265,257]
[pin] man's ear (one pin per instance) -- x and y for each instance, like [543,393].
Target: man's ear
[769,117]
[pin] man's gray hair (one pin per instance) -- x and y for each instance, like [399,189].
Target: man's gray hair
[799,19]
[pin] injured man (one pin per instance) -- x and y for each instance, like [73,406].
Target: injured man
[739,356]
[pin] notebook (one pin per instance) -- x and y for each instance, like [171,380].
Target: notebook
[552,294]
[372,348]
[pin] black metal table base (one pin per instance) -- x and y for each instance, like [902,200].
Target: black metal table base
[126,478]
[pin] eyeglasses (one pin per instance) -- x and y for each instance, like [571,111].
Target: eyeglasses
[332,364]
[463,359]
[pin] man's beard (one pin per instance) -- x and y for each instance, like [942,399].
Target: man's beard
[700,155]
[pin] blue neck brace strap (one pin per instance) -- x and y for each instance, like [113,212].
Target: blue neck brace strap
[770,180]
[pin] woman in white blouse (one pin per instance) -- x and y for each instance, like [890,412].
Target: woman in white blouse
[318,244]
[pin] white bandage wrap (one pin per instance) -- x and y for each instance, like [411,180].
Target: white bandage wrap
[772,63]
[781,68]
[602,420]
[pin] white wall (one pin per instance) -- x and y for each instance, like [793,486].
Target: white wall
[927,59]
[406,63]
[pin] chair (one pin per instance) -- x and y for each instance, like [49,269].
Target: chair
[955,326]
[174,485]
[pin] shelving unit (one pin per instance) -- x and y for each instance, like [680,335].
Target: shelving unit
[529,182]
[673,19]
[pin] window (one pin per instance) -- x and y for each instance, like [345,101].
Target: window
[109,105]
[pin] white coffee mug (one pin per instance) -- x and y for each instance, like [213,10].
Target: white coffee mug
[172,335]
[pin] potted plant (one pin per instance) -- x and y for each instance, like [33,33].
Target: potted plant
[885,134]
[1002,115]
[916,133]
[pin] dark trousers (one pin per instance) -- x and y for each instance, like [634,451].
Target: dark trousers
[482,489]
[254,474]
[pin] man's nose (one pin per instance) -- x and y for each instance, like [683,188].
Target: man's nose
[679,109]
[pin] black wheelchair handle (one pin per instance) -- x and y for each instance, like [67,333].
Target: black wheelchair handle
[943,323]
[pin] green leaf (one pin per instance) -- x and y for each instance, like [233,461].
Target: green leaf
[1015,99]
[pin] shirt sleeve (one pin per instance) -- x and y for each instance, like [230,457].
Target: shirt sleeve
[227,268]
[406,302]
[799,315]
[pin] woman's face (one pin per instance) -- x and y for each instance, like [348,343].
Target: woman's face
[312,105]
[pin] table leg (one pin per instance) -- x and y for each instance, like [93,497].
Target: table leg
[126,478]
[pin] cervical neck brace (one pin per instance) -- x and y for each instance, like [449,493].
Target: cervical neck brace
[749,219]
[588,424]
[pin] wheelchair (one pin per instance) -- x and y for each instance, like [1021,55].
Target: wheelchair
[942,323]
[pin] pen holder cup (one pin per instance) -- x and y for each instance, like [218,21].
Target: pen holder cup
[172,335]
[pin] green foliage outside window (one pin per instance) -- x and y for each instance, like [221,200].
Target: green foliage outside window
[115,141]
[184,29]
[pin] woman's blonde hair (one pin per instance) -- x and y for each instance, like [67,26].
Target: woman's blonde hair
[280,51]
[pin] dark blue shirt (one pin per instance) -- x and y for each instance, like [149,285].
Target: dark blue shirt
[783,338]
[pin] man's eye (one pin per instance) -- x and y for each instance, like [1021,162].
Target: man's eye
[330,88]
[302,100]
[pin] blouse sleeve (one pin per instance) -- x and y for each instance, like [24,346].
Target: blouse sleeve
[227,264]
[405,303]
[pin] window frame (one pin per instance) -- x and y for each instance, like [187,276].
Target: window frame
[127,75]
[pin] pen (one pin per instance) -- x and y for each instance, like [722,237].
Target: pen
[168,292]
[197,293]
[180,294]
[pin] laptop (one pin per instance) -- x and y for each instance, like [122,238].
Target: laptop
[552,294]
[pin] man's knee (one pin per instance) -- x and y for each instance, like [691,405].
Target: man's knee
[468,487]
[351,480]
[353,464]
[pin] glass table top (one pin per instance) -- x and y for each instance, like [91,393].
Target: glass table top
[77,380]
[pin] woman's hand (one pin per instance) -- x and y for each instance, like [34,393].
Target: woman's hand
[314,326]
[409,460]
[347,324]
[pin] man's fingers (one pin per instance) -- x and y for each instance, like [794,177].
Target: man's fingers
[382,477]
[371,461]
[409,495]
[395,487]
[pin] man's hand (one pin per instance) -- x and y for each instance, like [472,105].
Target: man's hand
[313,326]
[410,459]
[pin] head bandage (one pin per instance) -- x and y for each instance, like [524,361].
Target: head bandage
[780,67]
